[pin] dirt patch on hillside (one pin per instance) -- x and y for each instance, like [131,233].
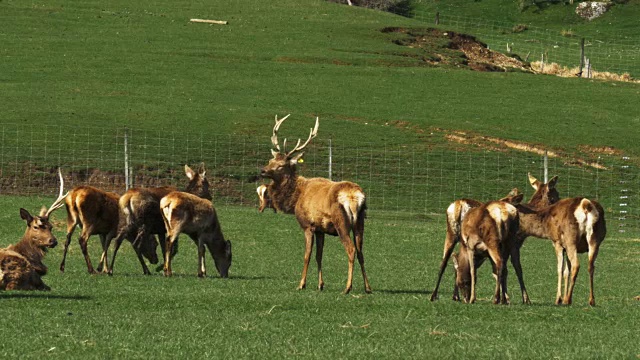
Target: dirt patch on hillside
[448,48]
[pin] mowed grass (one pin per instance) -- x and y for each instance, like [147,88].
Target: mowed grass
[257,312]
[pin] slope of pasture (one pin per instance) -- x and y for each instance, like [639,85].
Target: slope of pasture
[258,313]
[142,64]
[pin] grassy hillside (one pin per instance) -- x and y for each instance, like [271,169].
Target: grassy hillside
[144,65]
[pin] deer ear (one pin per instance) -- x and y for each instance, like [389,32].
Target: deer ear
[294,159]
[201,170]
[189,172]
[517,199]
[533,181]
[553,181]
[24,214]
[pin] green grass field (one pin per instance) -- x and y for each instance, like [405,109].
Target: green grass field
[257,312]
[143,65]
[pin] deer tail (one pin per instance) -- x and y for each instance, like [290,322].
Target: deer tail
[353,203]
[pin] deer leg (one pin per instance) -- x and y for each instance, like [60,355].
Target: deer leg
[319,251]
[308,237]
[472,266]
[565,274]
[202,272]
[162,239]
[449,245]
[137,243]
[351,255]
[560,265]
[103,266]
[496,257]
[593,253]
[119,239]
[358,235]
[515,261]
[70,230]
[572,256]
[84,239]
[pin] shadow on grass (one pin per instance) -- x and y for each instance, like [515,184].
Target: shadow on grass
[393,291]
[41,295]
[194,275]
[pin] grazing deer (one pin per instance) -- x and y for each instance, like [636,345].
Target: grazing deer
[490,228]
[96,212]
[321,206]
[141,211]
[21,266]
[545,194]
[575,225]
[186,213]
[264,198]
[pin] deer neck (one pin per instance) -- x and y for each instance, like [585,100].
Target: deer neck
[29,250]
[285,192]
[533,222]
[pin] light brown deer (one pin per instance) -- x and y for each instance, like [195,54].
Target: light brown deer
[21,266]
[321,206]
[186,213]
[264,198]
[575,225]
[96,212]
[490,228]
[141,211]
[545,194]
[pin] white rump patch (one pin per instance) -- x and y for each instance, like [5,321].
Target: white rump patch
[352,203]
[586,219]
[166,211]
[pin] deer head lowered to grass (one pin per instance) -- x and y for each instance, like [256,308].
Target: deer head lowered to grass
[321,206]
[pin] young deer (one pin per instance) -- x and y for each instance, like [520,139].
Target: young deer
[491,228]
[321,206]
[96,212]
[575,225]
[264,198]
[21,266]
[544,195]
[142,216]
[186,213]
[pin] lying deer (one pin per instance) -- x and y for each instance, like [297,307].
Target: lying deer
[545,194]
[141,211]
[96,212]
[21,266]
[321,206]
[575,225]
[491,228]
[186,213]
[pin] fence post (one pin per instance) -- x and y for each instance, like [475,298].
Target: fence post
[330,158]
[581,57]
[624,195]
[437,18]
[126,158]
[546,167]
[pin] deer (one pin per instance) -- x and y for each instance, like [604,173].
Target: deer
[96,212]
[140,208]
[491,228]
[574,225]
[264,198]
[321,206]
[21,265]
[545,194]
[187,213]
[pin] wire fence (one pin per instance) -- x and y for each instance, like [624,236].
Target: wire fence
[415,181]
[538,44]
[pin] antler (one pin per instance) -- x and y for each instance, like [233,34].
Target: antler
[312,134]
[60,200]
[274,137]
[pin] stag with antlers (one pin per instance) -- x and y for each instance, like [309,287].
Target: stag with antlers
[321,206]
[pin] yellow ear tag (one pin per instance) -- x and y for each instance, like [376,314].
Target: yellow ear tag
[300,161]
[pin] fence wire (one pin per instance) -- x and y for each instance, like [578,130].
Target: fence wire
[409,181]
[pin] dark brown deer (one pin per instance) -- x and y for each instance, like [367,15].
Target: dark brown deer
[490,228]
[21,266]
[545,194]
[321,206]
[186,213]
[141,211]
[575,225]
